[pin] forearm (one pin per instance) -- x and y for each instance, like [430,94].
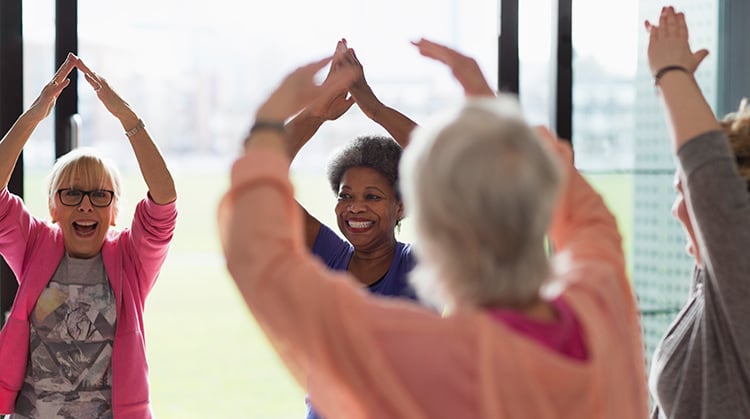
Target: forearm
[300,130]
[397,124]
[153,167]
[582,226]
[688,113]
[12,145]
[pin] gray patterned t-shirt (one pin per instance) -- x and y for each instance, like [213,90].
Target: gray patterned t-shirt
[69,373]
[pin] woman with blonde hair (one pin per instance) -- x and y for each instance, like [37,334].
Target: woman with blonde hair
[74,345]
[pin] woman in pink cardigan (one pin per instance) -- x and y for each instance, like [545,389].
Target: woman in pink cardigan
[523,336]
[74,345]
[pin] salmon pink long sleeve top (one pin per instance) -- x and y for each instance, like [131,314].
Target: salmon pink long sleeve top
[361,356]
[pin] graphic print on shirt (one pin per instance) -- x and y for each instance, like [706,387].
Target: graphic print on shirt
[72,332]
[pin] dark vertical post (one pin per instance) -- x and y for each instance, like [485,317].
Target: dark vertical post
[507,54]
[11,107]
[66,40]
[563,96]
[733,84]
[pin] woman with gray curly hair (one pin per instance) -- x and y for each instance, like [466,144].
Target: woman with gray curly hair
[523,336]
[363,175]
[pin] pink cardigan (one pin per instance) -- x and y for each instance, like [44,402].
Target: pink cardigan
[365,357]
[132,258]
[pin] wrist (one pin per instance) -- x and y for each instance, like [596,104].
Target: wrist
[667,69]
[132,130]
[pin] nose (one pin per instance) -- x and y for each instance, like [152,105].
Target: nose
[85,204]
[356,207]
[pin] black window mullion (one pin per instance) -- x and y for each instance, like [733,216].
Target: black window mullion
[11,107]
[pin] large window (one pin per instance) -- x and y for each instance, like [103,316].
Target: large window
[195,71]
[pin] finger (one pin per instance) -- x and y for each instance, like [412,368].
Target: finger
[699,56]
[315,66]
[671,22]
[62,72]
[353,56]
[663,18]
[341,80]
[93,78]
[96,84]
[680,25]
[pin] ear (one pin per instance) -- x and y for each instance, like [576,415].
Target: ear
[52,210]
[115,211]
[400,211]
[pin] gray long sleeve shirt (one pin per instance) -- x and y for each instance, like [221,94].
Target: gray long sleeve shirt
[701,369]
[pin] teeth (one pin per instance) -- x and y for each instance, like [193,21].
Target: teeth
[86,223]
[360,224]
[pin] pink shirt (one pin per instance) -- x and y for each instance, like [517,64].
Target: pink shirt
[366,357]
[563,335]
[132,257]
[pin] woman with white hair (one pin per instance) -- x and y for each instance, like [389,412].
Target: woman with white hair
[522,337]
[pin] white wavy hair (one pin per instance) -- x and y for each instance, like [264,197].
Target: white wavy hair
[481,188]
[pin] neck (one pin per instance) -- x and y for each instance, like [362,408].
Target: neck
[369,266]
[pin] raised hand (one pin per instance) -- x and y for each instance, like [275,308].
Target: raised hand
[299,89]
[116,105]
[464,68]
[668,43]
[331,106]
[42,106]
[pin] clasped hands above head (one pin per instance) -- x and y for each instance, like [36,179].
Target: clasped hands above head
[72,61]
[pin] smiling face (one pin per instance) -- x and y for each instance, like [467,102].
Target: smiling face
[84,226]
[367,210]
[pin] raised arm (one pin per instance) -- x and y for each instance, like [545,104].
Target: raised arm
[300,129]
[16,138]
[296,91]
[150,160]
[328,107]
[673,63]
[396,123]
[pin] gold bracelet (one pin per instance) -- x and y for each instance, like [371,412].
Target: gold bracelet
[136,129]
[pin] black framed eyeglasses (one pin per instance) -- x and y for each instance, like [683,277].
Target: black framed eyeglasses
[71,197]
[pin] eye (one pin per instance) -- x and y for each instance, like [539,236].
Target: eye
[100,194]
[344,196]
[372,197]
[72,193]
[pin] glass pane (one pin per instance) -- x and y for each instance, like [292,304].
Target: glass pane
[38,67]
[661,267]
[535,23]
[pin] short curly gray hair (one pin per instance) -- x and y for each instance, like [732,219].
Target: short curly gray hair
[380,153]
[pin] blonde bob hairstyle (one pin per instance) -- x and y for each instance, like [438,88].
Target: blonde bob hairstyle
[83,166]
[481,188]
